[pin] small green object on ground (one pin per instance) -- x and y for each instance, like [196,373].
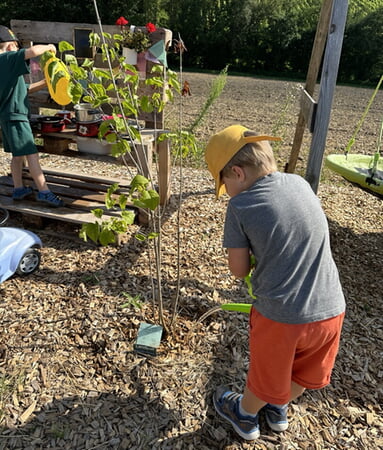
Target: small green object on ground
[148,339]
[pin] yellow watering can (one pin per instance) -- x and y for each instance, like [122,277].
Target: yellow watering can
[57,77]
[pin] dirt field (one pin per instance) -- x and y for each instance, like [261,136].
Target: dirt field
[69,378]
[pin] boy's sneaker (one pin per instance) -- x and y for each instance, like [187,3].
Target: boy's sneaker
[50,199]
[22,192]
[226,404]
[276,417]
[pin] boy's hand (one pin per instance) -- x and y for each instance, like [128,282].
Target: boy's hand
[51,48]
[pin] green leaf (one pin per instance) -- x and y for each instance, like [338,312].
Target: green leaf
[110,137]
[97,89]
[109,202]
[117,225]
[122,201]
[107,237]
[75,91]
[98,212]
[92,230]
[146,104]
[104,128]
[65,46]
[44,58]
[98,73]
[70,59]
[128,216]
[79,73]
[148,199]
[138,182]
[88,63]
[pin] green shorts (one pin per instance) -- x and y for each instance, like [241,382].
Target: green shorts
[18,138]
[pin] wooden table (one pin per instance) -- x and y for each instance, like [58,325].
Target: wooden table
[83,193]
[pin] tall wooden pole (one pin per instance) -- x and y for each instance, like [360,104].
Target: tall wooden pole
[326,92]
[311,79]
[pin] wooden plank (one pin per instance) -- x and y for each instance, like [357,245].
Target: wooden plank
[90,178]
[79,180]
[73,197]
[64,214]
[42,32]
[326,93]
[311,79]
[308,109]
[81,194]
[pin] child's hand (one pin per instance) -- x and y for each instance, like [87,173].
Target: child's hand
[247,278]
[52,48]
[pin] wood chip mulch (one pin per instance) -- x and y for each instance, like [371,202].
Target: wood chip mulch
[69,375]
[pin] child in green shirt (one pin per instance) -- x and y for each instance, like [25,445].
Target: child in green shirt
[14,109]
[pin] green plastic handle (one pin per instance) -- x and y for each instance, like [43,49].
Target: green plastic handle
[243,307]
[240,307]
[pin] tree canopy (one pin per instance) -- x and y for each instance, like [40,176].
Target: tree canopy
[252,36]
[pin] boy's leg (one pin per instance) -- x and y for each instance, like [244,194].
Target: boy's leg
[36,172]
[250,402]
[296,391]
[276,415]
[44,195]
[17,165]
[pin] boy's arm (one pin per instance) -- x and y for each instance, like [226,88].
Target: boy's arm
[239,261]
[39,49]
[37,86]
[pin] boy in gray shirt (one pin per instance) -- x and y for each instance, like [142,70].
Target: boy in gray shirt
[298,309]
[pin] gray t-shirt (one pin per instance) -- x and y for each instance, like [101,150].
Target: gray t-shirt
[281,221]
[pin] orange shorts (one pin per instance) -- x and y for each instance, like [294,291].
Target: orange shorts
[281,353]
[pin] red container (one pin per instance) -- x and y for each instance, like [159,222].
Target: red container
[50,124]
[65,115]
[88,129]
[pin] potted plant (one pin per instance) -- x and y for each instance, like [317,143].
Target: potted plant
[134,40]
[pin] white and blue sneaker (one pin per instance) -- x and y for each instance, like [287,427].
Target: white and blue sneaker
[276,416]
[226,404]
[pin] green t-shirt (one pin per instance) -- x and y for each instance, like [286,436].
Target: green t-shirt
[14,103]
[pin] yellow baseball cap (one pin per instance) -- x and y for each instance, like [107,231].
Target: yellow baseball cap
[223,146]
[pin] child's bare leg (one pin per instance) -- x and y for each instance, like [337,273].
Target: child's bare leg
[252,404]
[296,390]
[36,172]
[17,165]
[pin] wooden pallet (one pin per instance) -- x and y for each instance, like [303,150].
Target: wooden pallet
[81,194]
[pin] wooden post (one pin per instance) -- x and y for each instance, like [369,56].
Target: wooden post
[312,76]
[326,92]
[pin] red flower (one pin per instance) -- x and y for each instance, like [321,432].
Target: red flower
[150,27]
[122,21]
